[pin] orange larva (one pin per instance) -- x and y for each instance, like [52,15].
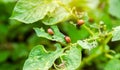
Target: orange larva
[80,22]
[50,31]
[67,39]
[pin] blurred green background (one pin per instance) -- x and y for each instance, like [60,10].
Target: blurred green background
[17,39]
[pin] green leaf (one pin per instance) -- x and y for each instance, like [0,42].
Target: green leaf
[41,33]
[40,59]
[58,36]
[116,34]
[114,8]
[59,15]
[30,11]
[72,58]
[87,45]
[113,64]
[4,55]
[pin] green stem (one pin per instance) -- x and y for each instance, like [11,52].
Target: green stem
[109,56]
[108,38]
[55,66]
[88,29]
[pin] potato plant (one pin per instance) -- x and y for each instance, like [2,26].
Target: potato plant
[61,21]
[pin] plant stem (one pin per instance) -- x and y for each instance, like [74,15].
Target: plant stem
[88,29]
[108,38]
[109,56]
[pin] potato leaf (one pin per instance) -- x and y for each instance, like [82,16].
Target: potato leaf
[59,15]
[87,45]
[40,59]
[116,34]
[72,58]
[58,36]
[30,11]
[114,6]
[113,64]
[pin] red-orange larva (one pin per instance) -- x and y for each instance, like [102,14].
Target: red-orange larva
[67,39]
[50,31]
[80,22]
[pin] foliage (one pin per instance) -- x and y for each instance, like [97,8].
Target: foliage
[92,45]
